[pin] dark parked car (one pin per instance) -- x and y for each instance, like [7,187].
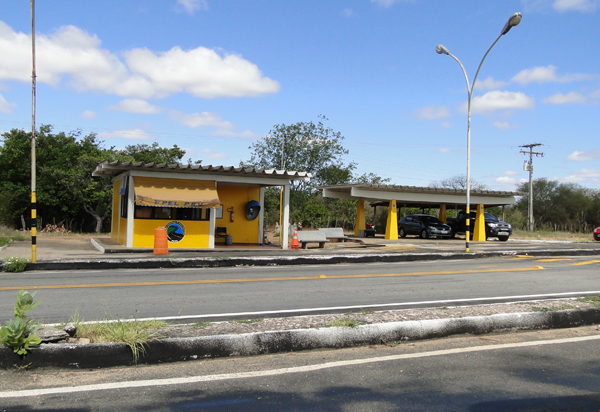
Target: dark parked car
[494,227]
[597,234]
[425,226]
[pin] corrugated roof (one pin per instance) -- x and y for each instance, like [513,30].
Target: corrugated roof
[420,189]
[106,168]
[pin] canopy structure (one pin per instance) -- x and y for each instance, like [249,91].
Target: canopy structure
[414,196]
[175,192]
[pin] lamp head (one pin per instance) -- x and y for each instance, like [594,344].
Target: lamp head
[440,49]
[514,20]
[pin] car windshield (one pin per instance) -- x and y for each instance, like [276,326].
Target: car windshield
[430,220]
[491,217]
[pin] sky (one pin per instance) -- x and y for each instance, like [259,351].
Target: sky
[214,76]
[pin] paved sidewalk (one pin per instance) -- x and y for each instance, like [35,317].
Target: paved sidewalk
[81,252]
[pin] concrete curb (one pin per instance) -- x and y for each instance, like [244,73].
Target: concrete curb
[249,344]
[212,262]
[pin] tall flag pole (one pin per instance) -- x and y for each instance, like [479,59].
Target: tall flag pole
[33,199]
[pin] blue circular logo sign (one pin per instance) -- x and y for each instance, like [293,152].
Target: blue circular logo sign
[175,231]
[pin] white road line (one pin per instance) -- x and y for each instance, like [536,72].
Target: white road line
[307,311]
[283,371]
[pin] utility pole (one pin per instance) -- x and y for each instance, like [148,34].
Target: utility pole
[528,166]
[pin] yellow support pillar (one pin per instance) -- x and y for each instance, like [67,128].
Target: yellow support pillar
[360,218]
[442,215]
[391,228]
[479,229]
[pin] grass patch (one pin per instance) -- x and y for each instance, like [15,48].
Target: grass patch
[202,325]
[9,235]
[551,235]
[590,299]
[552,308]
[245,321]
[15,264]
[344,323]
[132,333]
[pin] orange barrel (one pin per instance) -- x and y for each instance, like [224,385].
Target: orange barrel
[161,244]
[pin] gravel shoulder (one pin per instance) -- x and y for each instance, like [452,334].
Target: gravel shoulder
[365,317]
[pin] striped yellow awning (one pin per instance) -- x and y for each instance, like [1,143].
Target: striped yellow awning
[159,192]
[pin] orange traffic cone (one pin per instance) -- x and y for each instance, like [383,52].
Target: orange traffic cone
[295,243]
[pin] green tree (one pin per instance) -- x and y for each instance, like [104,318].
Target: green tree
[305,147]
[458,182]
[154,153]
[66,191]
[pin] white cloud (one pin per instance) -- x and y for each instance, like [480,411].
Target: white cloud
[504,125]
[385,3]
[72,54]
[88,114]
[347,12]
[508,180]
[135,106]
[497,100]
[582,176]
[6,107]
[213,155]
[575,5]
[445,150]
[569,98]
[198,120]
[446,125]
[560,5]
[134,134]
[577,156]
[546,75]
[190,6]
[432,112]
[489,84]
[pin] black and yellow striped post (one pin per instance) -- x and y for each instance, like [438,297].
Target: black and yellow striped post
[33,166]
[33,226]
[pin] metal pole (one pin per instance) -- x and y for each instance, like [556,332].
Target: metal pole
[33,160]
[530,214]
[530,222]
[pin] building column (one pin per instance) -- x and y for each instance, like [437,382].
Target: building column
[360,218]
[442,215]
[391,228]
[285,220]
[261,215]
[130,212]
[212,219]
[479,229]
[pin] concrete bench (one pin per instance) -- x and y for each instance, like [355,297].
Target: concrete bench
[311,236]
[336,233]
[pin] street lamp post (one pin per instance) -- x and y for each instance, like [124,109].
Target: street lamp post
[514,20]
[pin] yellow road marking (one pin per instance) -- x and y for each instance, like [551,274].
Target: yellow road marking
[209,281]
[551,260]
[589,262]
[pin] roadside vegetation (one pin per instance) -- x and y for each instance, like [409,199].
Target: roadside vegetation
[70,199]
[132,333]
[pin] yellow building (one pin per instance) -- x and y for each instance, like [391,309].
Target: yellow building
[199,205]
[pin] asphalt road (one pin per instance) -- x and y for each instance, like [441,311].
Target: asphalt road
[97,295]
[528,371]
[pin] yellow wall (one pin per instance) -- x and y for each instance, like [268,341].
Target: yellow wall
[241,229]
[196,233]
[123,232]
[114,232]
